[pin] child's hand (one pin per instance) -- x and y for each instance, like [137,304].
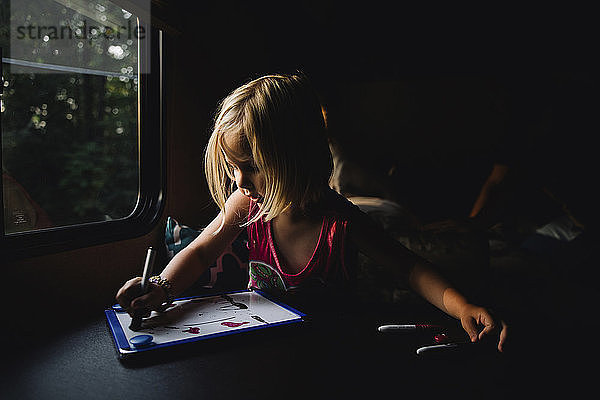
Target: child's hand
[474,317]
[129,297]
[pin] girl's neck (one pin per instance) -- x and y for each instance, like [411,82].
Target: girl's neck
[311,212]
[295,216]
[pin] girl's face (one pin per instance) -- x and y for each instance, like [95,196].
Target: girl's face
[249,180]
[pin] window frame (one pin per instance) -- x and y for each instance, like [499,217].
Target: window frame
[152,184]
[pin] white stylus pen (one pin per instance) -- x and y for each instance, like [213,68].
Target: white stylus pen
[406,327]
[440,347]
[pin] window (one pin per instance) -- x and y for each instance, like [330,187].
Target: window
[81,153]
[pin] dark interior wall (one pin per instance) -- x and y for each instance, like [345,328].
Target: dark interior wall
[419,84]
[431,138]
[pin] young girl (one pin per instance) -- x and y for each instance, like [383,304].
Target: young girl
[268,166]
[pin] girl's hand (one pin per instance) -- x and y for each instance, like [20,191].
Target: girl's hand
[473,318]
[129,297]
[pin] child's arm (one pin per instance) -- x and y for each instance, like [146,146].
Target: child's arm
[493,181]
[190,263]
[437,291]
[384,250]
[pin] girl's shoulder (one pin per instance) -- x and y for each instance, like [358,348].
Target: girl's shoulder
[338,205]
[343,209]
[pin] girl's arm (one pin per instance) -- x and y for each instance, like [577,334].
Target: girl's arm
[191,262]
[406,266]
[488,189]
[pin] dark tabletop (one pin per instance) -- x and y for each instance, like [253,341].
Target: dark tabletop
[334,354]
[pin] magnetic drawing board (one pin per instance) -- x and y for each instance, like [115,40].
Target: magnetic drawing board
[198,318]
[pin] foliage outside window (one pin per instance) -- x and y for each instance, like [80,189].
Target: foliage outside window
[69,132]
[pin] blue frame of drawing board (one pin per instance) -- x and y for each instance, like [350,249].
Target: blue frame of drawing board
[124,349]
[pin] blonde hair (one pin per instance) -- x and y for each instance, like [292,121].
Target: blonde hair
[278,121]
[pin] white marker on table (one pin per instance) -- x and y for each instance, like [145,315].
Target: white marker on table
[406,327]
[441,347]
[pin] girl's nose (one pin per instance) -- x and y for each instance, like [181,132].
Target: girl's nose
[242,181]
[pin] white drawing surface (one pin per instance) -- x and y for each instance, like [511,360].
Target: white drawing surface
[203,316]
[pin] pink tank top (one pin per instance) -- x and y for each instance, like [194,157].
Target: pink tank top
[328,264]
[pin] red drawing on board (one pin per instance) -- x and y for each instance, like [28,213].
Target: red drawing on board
[233,324]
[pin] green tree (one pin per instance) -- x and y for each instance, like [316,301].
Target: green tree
[71,139]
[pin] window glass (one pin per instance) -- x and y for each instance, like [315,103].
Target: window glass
[69,113]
